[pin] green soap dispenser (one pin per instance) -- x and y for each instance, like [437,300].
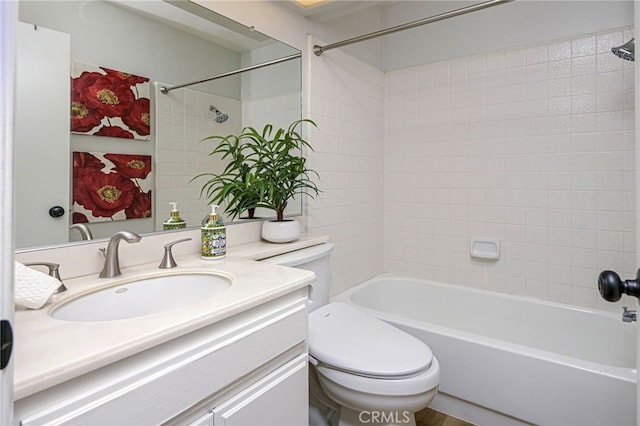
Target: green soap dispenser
[214,236]
[174,221]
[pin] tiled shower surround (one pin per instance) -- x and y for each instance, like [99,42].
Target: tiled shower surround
[347,103]
[183,119]
[533,146]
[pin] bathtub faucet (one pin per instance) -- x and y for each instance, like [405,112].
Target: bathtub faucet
[628,315]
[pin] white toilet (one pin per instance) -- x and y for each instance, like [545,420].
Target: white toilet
[368,370]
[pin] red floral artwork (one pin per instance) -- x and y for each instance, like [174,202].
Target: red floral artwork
[114,131]
[131,166]
[140,206]
[106,102]
[111,186]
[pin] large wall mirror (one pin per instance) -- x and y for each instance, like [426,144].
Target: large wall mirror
[170,43]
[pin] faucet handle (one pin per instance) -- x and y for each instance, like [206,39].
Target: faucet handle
[54,271]
[168,261]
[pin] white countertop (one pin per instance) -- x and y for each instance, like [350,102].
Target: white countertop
[48,351]
[261,249]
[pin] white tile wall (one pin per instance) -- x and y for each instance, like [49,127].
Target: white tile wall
[183,119]
[347,104]
[532,146]
[279,111]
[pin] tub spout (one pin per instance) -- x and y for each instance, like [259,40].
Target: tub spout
[629,315]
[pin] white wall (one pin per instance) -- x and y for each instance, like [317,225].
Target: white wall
[344,96]
[183,120]
[355,24]
[275,81]
[533,146]
[537,259]
[272,95]
[537,173]
[347,105]
[499,27]
[41,119]
[104,34]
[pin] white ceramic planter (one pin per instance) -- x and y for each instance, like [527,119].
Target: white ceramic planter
[281,232]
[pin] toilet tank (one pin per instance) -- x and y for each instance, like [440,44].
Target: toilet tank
[316,259]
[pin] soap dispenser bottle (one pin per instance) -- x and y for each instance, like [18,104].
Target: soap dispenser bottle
[214,236]
[174,221]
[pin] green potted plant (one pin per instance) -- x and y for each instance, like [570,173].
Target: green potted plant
[234,189]
[266,169]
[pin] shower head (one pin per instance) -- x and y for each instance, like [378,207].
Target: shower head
[626,51]
[221,117]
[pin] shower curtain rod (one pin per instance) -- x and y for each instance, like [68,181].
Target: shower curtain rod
[318,50]
[166,90]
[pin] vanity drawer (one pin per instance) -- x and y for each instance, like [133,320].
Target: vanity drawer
[156,390]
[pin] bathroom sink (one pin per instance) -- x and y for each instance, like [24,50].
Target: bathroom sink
[146,296]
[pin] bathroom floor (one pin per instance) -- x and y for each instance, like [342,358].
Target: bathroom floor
[429,417]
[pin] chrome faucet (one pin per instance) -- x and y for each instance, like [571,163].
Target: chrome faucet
[83,229]
[628,315]
[111,262]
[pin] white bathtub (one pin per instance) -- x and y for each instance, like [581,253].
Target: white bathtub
[508,359]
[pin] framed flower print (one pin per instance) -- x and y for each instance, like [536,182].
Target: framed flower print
[111,186]
[107,102]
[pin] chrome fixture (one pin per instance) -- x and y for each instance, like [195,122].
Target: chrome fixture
[84,230]
[165,90]
[168,261]
[318,50]
[625,51]
[221,117]
[54,271]
[629,315]
[111,262]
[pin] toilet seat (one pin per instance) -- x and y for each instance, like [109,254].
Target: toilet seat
[345,339]
[420,383]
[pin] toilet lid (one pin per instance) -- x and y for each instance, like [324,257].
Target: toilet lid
[346,338]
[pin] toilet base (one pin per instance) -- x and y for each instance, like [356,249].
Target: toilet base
[322,410]
[338,406]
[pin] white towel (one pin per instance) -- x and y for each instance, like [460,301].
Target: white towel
[33,288]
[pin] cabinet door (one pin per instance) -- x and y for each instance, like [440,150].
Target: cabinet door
[279,399]
[206,420]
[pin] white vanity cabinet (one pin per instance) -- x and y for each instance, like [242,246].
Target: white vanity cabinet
[274,400]
[247,369]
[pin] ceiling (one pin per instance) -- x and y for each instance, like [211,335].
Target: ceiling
[332,9]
